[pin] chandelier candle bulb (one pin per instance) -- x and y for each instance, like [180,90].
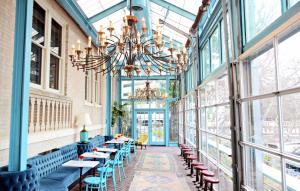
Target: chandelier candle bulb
[101,28]
[90,42]
[73,49]
[78,45]
[138,38]
[110,24]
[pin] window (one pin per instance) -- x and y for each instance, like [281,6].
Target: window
[97,88]
[88,84]
[214,127]
[259,14]
[215,49]
[38,42]
[270,121]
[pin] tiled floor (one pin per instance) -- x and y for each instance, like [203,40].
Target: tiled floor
[154,169]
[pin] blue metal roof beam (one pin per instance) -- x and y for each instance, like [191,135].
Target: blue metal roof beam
[175,9]
[73,9]
[107,12]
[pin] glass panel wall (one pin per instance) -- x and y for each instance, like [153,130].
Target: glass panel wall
[270,113]
[190,123]
[214,127]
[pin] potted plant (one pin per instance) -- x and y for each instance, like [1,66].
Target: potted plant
[119,111]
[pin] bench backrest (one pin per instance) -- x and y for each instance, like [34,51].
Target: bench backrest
[69,152]
[46,164]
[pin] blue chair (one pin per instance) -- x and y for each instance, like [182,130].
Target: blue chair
[120,163]
[127,149]
[111,169]
[98,182]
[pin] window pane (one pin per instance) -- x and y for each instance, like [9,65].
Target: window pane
[222,90]
[36,64]
[203,142]
[262,73]
[292,175]
[225,153]
[259,14]
[289,60]
[263,170]
[292,2]
[215,50]
[291,125]
[211,119]
[261,122]
[223,40]
[38,24]
[212,146]
[225,182]
[223,120]
[126,89]
[205,60]
[56,37]
[54,72]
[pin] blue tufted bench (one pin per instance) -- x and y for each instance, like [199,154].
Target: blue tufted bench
[52,175]
[25,180]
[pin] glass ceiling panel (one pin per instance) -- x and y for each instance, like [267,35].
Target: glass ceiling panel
[92,7]
[191,6]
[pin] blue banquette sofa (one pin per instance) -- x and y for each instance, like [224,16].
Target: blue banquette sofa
[46,171]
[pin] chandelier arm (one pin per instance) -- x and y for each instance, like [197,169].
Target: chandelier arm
[97,65]
[111,66]
[151,67]
[158,63]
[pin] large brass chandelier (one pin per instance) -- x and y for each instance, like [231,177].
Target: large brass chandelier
[132,51]
[147,93]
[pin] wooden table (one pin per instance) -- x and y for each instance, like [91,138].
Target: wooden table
[81,164]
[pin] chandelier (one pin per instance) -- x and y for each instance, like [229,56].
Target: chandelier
[132,51]
[147,93]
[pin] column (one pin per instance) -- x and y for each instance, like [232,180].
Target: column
[20,86]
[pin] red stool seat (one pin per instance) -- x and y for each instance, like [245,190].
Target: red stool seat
[200,167]
[208,173]
[188,153]
[211,180]
[197,163]
[192,157]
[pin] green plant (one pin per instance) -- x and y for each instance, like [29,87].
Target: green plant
[119,111]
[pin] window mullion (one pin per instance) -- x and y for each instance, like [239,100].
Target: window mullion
[46,62]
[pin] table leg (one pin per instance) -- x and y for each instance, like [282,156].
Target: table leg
[80,179]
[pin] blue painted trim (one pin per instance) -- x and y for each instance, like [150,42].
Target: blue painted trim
[278,22]
[20,86]
[119,93]
[73,9]
[175,9]
[107,12]
[108,129]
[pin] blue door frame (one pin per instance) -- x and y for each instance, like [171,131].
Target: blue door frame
[150,111]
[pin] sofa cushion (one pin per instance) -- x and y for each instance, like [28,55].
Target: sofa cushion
[47,184]
[67,175]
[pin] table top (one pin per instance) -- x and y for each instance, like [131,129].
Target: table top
[110,150]
[98,155]
[81,163]
[125,139]
[114,141]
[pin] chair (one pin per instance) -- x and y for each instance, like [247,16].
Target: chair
[127,150]
[98,182]
[132,146]
[142,140]
[111,168]
[120,163]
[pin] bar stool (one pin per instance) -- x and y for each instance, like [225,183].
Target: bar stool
[194,166]
[186,155]
[200,168]
[206,173]
[190,159]
[211,181]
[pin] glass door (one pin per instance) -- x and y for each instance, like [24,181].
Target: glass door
[151,123]
[158,128]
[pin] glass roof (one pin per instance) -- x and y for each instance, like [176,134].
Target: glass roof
[93,7]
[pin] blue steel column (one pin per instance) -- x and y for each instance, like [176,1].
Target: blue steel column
[20,86]
[167,111]
[108,129]
[119,92]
